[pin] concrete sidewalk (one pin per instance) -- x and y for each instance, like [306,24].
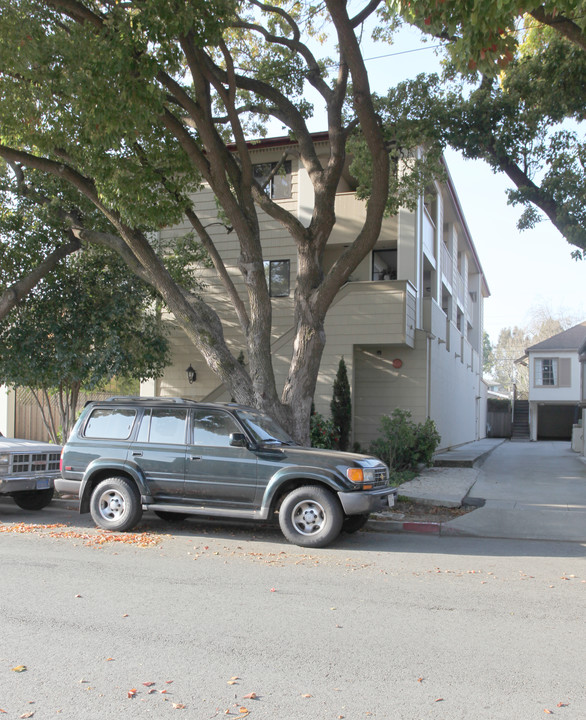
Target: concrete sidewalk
[531,491]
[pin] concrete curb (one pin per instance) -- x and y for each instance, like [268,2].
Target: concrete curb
[413,527]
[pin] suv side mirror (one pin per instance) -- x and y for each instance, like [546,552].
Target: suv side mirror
[238,440]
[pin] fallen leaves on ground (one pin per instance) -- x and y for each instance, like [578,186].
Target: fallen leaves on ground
[92,539]
[19,668]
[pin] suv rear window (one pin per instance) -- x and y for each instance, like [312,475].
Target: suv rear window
[110,423]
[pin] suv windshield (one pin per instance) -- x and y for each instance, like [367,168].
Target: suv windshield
[264,429]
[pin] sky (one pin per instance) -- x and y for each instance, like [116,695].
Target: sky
[525,271]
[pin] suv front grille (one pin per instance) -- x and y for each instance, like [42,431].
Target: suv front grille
[35,462]
[380,478]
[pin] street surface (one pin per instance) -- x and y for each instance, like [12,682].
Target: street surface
[386,626]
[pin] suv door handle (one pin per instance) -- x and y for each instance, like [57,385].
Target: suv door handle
[195,457]
[137,454]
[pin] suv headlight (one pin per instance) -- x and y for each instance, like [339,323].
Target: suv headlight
[4,464]
[361,476]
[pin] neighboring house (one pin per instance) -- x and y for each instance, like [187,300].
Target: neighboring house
[556,383]
[408,324]
[496,390]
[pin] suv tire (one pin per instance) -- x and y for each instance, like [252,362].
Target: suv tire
[311,516]
[33,499]
[115,504]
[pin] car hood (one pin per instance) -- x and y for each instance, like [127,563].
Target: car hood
[318,456]
[30,446]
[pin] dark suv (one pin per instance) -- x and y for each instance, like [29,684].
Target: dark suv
[179,457]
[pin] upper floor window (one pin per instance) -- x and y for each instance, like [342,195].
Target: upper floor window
[553,372]
[279,187]
[384,265]
[278,277]
[546,372]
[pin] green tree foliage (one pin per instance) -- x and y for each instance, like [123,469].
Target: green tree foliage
[483,34]
[516,122]
[80,327]
[341,406]
[134,106]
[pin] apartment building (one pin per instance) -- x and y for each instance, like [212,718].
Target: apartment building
[408,323]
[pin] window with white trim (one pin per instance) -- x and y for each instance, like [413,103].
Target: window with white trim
[546,372]
[279,187]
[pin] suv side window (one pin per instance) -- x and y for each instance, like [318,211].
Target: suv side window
[163,426]
[213,427]
[111,423]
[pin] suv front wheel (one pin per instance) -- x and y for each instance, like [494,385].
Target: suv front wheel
[115,504]
[311,516]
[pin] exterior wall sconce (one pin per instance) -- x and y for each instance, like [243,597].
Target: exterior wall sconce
[191,374]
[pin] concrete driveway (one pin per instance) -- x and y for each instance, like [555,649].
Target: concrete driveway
[532,491]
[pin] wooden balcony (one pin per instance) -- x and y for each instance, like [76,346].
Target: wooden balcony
[376,312]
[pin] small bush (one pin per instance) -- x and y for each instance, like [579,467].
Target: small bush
[341,406]
[322,433]
[405,444]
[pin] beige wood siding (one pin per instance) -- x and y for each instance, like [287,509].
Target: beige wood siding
[565,372]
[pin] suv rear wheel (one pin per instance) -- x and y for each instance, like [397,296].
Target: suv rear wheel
[310,516]
[115,504]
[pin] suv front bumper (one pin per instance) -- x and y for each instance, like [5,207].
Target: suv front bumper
[14,483]
[361,502]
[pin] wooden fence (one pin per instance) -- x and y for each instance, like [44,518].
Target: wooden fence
[28,421]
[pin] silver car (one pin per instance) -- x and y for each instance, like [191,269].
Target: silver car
[28,469]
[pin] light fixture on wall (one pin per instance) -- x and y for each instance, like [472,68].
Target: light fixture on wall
[191,374]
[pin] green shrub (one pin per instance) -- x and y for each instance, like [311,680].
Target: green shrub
[322,432]
[341,406]
[404,444]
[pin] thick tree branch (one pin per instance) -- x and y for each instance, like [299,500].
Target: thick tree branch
[561,24]
[14,294]
[365,13]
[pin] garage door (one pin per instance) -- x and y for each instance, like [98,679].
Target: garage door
[555,422]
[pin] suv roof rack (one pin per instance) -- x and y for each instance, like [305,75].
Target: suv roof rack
[148,400]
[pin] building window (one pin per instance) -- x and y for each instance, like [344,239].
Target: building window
[277,273]
[546,372]
[279,187]
[384,265]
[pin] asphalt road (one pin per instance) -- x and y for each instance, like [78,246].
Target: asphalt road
[387,626]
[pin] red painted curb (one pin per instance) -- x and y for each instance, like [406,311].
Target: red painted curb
[422,527]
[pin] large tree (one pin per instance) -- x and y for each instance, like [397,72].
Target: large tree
[520,98]
[136,104]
